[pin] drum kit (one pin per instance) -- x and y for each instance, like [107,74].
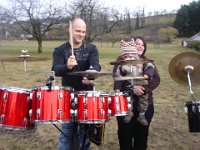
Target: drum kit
[184,68]
[23,109]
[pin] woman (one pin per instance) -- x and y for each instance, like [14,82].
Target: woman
[132,134]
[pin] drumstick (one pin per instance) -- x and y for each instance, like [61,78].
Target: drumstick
[71,38]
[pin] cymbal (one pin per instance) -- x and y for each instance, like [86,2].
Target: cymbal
[132,61]
[20,58]
[90,74]
[181,64]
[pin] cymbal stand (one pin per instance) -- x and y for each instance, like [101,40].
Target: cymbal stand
[189,69]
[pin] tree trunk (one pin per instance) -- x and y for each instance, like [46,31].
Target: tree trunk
[39,46]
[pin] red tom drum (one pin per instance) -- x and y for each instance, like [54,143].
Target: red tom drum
[14,108]
[119,105]
[50,105]
[92,107]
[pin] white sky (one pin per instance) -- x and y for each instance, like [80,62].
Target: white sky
[149,5]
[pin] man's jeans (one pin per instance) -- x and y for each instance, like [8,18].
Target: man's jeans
[69,141]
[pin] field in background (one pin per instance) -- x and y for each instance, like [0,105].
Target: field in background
[169,128]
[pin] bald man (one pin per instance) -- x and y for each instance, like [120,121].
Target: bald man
[85,55]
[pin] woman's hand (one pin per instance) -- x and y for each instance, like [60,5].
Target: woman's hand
[138,90]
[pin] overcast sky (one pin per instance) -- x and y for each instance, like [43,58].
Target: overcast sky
[149,5]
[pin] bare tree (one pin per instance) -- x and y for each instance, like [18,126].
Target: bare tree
[4,23]
[142,18]
[36,17]
[128,21]
[95,15]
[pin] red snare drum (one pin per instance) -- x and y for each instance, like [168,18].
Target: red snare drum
[119,105]
[14,108]
[92,107]
[50,106]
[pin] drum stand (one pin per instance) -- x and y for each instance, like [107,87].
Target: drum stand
[192,110]
[75,139]
[91,81]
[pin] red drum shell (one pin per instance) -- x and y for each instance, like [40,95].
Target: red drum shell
[119,104]
[51,106]
[92,107]
[14,109]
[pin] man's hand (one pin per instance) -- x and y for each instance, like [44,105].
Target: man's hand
[86,81]
[71,62]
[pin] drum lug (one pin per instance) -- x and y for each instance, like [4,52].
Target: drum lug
[38,95]
[72,95]
[84,100]
[117,100]
[31,96]
[128,99]
[5,96]
[117,104]
[60,95]
[60,113]
[2,118]
[38,113]
[74,103]
[85,113]
[75,100]
[102,113]
[129,107]
[109,100]
[25,122]
[73,113]
[117,107]
[109,113]
[117,94]
[28,99]
[102,100]
[30,113]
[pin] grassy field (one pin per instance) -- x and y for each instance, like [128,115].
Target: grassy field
[169,128]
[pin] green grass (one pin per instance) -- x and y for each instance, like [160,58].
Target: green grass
[169,128]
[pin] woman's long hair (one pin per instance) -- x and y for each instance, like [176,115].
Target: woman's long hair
[144,43]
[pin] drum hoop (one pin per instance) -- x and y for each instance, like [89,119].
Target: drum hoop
[91,93]
[17,90]
[117,94]
[53,88]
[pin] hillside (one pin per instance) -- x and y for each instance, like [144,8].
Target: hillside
[153,24]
